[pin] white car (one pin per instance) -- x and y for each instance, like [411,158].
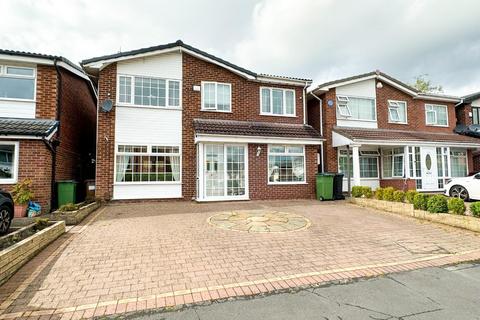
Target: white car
[466,188]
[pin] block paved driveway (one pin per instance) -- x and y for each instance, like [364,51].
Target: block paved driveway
[132,257]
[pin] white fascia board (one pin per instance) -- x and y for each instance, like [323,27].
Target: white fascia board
[276,80]
[436,98]
[397,85]
[103,63]
[19,137]
[32,60]
[417,143]
[253,139]
[339,84]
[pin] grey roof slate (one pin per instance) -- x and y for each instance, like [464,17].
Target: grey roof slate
[254,128]
[40,55]
[27,127]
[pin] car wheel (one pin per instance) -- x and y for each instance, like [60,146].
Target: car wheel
[5,219]
[459,192]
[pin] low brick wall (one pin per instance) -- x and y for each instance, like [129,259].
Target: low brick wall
[406,209]
[73,217]
[15,256]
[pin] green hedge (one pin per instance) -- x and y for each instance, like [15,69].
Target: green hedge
[437,204]
[409,195]
[379,193]
[456,206]
[388,193]
[398,196]
[475,209]
[420,201]
[361,191]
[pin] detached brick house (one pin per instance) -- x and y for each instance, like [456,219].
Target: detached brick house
[186,124]
[468,114]
[389,134]
[47,122]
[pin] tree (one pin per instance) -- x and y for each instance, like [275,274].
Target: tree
[423,84]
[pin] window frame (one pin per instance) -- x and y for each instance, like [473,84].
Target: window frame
[132,92]
[346,100]
[284,100]
[394,155]
[475,111]
[148,153]
[391,104]
[4,74]
[16,158]
[216,83]
[436,116]
[343,153]
[285,153]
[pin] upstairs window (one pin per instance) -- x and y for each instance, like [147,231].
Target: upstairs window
[397,111]
[475,115]
[356,108]
[146,91]
[277,102]
[436,115]
[217,96]
[17,83]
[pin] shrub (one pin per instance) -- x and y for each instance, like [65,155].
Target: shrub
[68,207]
[367,192]
[437,204]
[475,209]
[21,192]
[399,196]
[388,193]
[379,193]
[420,201]
[409,195]
[456,205]
[357,191]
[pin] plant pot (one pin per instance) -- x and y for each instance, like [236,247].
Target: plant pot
[20,211]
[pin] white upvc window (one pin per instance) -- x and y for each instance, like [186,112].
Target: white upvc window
[17,83]
[436,115]
[368,163]
[148,91]
[397,111]
[286,164]
[147,164]
[277,102]
[393,163]
[216,96]
[8,162]
[356,108]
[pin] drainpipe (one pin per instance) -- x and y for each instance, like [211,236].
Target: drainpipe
[305,103]
[320,104]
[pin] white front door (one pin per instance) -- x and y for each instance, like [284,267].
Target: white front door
[429,168]
[225,172]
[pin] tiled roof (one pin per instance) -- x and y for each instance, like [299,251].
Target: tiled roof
[252,128]
[469,98]
[27,127]
[362,134]
[180,43]
[41,56]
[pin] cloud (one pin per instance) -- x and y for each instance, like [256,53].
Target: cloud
[319,39]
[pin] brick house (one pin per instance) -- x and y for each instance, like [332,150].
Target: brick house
[47,122]
[188,125]
[383,132]
[468,114]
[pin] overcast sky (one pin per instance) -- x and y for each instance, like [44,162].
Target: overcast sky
[319,39]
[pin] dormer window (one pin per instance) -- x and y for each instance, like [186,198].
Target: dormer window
[397,111]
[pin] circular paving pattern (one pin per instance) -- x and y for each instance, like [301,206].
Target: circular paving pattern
[259,221]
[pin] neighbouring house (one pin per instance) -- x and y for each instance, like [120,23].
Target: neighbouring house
[188,125]
[389,134]
[468,122]
[47,123]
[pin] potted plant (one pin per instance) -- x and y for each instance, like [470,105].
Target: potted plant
[22,194]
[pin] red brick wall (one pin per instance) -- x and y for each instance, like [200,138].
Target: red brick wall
[35,163]
[258,176]
[398,184]
[329,121]
[106,134]
[415,111]
[463,116]
[46,100]
[76,131]
[245,107]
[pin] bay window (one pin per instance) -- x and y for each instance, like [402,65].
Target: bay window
[436,115]
[8,162]
[148,91]
[397,111]
[392,163]
[17,83]
[458,162]
[147,163]
[286,164]
[356,108]
[275,101]
[216,96]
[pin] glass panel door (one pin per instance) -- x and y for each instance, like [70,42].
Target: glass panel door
[214,170]
[235,170]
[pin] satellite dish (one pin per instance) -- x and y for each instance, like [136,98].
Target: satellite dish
[107,105]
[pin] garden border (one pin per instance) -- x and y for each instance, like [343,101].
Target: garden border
[73,217]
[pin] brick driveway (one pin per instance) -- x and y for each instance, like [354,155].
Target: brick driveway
[135,256]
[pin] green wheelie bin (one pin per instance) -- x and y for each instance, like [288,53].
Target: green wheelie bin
[324,186]
[66,192]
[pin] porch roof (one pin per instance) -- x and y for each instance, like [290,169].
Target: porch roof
[389,137]
[255,129]
[39,128]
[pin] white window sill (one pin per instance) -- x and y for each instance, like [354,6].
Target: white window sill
[136,183]
[8,181]
[285,183]
[228,198]
[18,100]
[124,105]
[211,110]
[395,122]
[278,115]
[339,117]
[437,125]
